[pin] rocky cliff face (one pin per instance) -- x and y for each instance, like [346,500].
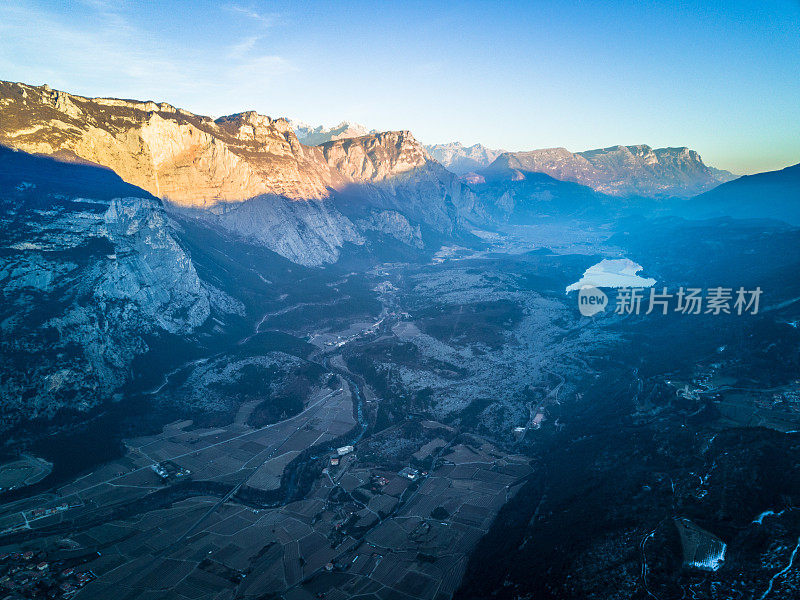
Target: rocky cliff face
[375,157]
[391,172]
[86,278]
[176,155]
[245,172]
[618,170]
[462,159]
[383,182]
[309,232]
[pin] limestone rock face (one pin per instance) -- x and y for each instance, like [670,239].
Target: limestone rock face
[85,281]
[375,157]
[309,232]
[618,170]
[393,172]
[428,195]
[150,266]
[187,159]
[246,172]
[394,224]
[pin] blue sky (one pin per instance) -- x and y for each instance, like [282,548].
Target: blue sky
[720,77]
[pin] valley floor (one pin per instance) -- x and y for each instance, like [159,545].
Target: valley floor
[449,428]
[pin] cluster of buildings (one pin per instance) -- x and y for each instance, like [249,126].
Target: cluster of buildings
[340,452]
[29,575]
[409,473]
[160,471]
[342,340]
[38,513]
[168,469]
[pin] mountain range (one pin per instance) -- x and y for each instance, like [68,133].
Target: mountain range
[307,193]
[618,170]
[245,172]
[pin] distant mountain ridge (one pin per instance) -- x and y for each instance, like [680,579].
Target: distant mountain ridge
[250,174]
[462,159]
[618,170]
[770,195]
[315,135]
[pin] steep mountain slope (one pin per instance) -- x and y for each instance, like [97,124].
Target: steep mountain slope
[188,159]
[392,180]
[462,159]
[246,172]
[380,182]
[313,136]
[618,170]
[375,157]
[770,195]
[309,232]
[91,269]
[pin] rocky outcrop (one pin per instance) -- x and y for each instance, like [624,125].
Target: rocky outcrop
[375,157]
[394,224]
[618,170]
[391,171]
[188,159]
[310,232]
[462,159]
[85,282]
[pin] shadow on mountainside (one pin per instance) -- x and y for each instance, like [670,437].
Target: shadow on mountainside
[63,176]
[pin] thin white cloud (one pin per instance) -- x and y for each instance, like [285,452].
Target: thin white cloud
[264,19]
[108,55]
[243,47]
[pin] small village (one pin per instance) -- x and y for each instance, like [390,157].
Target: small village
[31,575]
